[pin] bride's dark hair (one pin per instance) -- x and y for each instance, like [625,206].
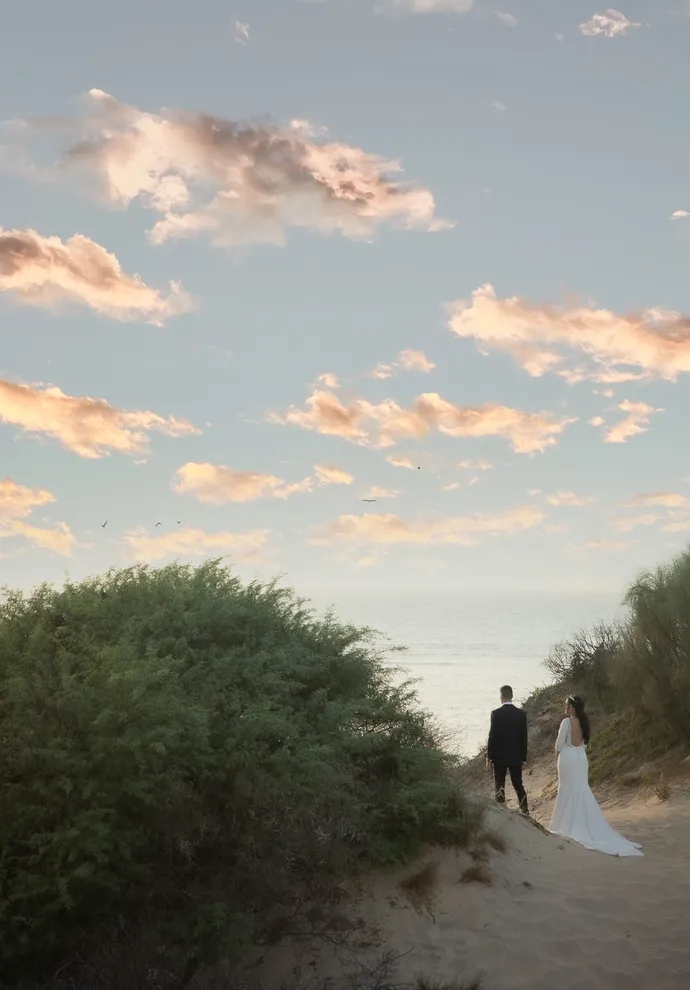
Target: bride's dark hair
[578,706]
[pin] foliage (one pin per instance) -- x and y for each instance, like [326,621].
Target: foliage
[180,747]
[652,670]
[585,659]
[638,671]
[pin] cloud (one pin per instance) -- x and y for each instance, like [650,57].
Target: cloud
[613,546]
[636,421]
[383,424]
[329,474]
[627,523]
[543,338]
[45,271]
[16,503]
[668,500]
[568,500]
[508,19]
[88,427]
[436,6]
[239,183]
[389,529]
[470,465]
[406,361]
[452,486]
[680,215]
[58,540]
[398,460]
[680,524]
[610,24]
[218,485]
[497,105]
[241,32]
[328,380]
[369,560]
[196,543]
[376,492]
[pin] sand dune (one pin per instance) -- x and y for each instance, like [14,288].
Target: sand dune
[553,916]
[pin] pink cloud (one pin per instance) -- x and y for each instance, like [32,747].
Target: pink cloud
[59,540]
[240,183]
[16,503]
[635,421]
[383,424]
[627,523]
[668,500]
[88,427]
[545,339]
[330,474]
[377,492]
[45,271]
[568,500]
[398,460]
[219,485]
[406,361]
[196,543]
[390,529]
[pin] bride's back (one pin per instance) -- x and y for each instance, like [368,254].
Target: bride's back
[576,737]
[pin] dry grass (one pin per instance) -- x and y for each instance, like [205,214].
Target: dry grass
[662,788]
[420,888]
[477,874]
[479,853]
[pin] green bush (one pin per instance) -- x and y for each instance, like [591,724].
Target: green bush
[637,671]
[185,749]
[651,671]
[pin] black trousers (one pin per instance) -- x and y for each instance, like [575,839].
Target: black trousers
[500,771]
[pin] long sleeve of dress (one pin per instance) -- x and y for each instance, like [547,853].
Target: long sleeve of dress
[562,734]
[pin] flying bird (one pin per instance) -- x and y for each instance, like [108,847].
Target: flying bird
[157,524]
[368,499]
[103,525]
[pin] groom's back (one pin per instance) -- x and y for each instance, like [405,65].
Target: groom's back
[509,732]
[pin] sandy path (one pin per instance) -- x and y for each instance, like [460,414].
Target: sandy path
[556,917]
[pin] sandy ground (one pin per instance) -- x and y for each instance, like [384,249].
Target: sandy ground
[553,916]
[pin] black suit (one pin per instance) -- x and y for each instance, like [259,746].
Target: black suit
[507,750]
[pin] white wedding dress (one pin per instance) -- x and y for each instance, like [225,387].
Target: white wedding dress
[576,814]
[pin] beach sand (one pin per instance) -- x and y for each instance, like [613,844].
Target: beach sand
[551,914]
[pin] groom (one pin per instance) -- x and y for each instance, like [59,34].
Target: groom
[507,749]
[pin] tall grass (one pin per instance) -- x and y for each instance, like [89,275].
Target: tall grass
[185,759]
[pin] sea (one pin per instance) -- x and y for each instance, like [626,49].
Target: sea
[461,647]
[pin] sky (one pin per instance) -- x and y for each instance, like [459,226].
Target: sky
[372,294]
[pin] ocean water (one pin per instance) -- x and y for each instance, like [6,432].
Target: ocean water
[463,647]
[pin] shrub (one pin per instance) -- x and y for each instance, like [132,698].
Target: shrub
[652,670]
[585,661]
[190,751]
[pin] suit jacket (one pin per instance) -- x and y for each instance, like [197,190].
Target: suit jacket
[508,736]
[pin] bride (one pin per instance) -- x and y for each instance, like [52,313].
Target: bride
[576,814]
